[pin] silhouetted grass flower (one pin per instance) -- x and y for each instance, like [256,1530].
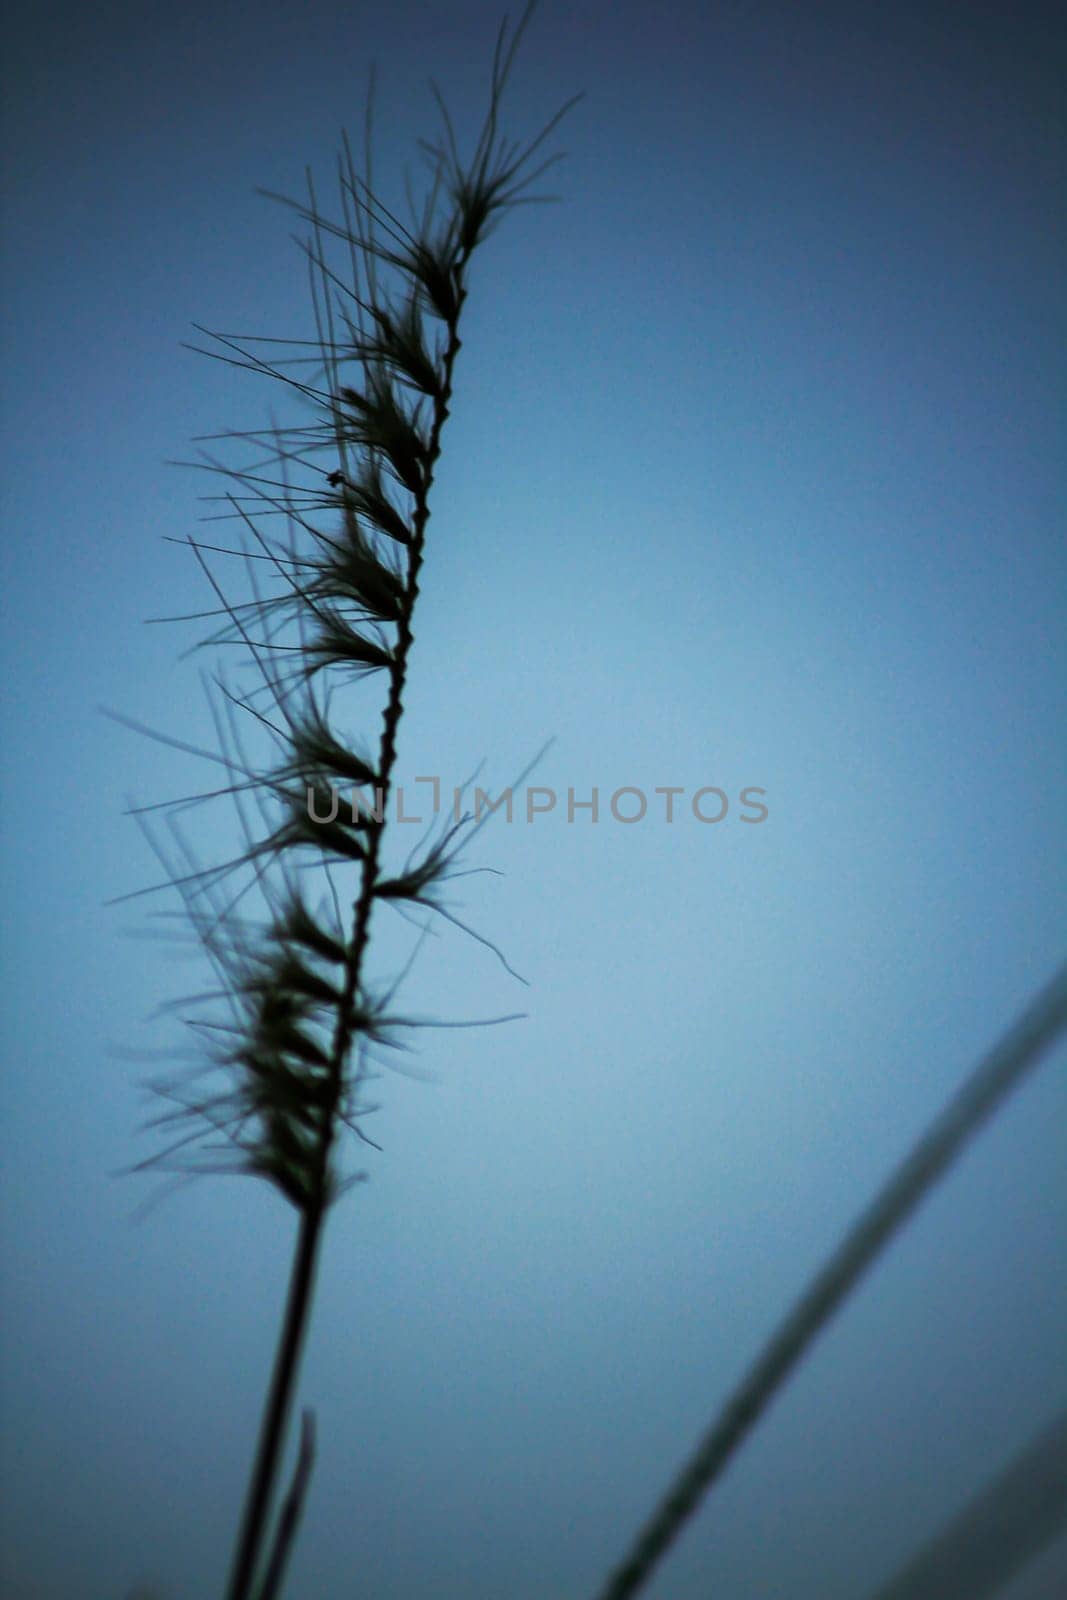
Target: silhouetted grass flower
[295,1019]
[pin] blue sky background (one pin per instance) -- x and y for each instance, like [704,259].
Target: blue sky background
[754,477]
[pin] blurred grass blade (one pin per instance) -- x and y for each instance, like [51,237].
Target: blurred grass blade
[980,1096]
[998,1532]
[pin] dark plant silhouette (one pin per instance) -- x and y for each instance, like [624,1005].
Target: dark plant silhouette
[331,600]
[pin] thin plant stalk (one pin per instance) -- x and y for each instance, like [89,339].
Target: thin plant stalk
[279,1401]
[290,1514]
[997,1074]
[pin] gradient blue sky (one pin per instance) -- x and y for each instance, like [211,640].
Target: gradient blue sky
[754,477]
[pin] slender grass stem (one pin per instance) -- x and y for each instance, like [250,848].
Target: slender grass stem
[278,1404]
[290,1513]
[983,1092]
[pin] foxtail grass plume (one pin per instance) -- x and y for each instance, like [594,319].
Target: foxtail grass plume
[331,517]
